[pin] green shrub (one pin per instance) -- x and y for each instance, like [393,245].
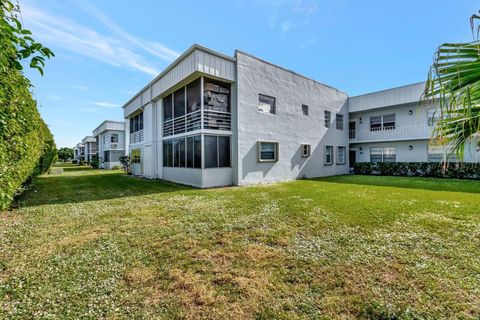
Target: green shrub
[27,147]
[419,169]
[95,163]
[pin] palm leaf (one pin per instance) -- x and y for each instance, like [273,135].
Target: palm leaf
[453,85]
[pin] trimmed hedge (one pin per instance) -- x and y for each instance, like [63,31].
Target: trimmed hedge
[27,147]
[419,169]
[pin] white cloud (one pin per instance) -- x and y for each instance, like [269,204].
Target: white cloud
[154,48]
[106,104]
[65,33]
[89,110]
[81,87]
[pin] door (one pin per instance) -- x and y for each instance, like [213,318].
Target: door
[352,130]
[352,157]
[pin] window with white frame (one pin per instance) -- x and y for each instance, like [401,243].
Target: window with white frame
[305,109]
[383,154]
[433,116]
[440,153]
[135,156]
[384,122]
[136,123]
[328,155]
[328,118]
[114,138]
[341,155]
[266,104]
[105,139]
[339,121]
[267,151]
[305,150]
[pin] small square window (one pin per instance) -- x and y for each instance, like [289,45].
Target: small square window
[305,150]
[267,151]
[305,110]
[114,138]
[328,155]
[339,121]
[266,104]
[328,118]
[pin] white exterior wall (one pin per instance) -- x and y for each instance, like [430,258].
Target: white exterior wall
[417,154]
[289,127]
[407,127]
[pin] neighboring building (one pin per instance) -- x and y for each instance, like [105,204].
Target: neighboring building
[214,120]
[110,138]
[90,148]
[79,152]
[393,126]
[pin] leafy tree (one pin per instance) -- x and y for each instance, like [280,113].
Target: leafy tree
[65,154]
[27,147]
[454,85]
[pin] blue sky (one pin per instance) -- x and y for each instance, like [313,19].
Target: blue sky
[107,50]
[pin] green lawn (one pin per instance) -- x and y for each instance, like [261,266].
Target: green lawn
[99,244]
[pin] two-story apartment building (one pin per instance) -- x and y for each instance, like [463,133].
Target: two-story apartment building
[90,148]
[79,152]
[110,139]
[211,119]
[392,125]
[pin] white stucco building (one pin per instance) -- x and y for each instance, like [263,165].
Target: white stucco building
[79,152]
[211,119]
[110,139]
[89,147]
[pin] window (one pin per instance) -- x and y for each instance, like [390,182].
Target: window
[114,138]
[193,96]
[305,150]
[385,154]
[389,121]
[339,121]
[440,153]
[341,155]
[167,108]
[179,103]
[328,155]
[376,123]
[135,156]
[187,152]
[223,152]
[305,110]
[328,119]
[216,96]
[105,138]
[217,151]
[266,104]
[211,158]
[136,123]
[385,122]
[267,151]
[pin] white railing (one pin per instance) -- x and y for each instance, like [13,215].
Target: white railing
[136,137]
[212,120]
[410,131]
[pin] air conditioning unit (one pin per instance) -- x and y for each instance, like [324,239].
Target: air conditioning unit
[113,145]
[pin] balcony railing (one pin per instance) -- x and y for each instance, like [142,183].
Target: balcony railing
[411,131]
[136,137]
[213,120]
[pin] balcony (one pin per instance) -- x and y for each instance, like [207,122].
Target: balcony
[212,120]
[397,132]
[136,137]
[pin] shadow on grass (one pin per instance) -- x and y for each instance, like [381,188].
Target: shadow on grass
[91,185]
[433,184]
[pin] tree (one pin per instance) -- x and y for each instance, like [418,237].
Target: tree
[65,154]
[453,85]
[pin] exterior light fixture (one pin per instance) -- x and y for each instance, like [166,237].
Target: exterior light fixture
[410,112]
[410,147]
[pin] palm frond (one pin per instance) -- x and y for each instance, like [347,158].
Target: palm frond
[453,85]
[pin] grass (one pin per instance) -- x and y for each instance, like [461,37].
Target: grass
[99,244]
